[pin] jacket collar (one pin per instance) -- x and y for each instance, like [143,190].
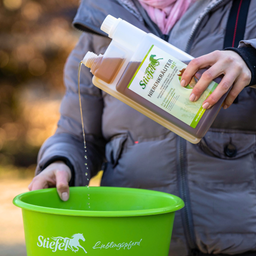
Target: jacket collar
[91,14]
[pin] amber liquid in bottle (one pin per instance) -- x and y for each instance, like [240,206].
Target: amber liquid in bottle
[106,68]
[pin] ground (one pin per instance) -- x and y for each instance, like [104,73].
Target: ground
[12,241]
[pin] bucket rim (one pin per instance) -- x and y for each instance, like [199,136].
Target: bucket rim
[179,204]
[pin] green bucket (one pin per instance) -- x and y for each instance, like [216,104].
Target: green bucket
[98,221]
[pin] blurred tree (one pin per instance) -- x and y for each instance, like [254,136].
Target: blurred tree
[36,38]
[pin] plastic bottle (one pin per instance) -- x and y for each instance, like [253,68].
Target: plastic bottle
[144,72]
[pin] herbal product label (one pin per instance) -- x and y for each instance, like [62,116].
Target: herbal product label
[157,79]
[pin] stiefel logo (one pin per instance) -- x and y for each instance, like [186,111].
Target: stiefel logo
[150,70]
[62,243]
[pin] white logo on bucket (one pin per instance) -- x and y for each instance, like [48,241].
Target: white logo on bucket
[62,243]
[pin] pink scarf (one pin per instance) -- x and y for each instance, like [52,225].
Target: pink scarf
[165,13]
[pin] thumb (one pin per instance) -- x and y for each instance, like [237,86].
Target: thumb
[62,178]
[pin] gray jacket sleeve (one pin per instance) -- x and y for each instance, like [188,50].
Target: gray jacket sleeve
[250,42]
[67,142]
[249,47]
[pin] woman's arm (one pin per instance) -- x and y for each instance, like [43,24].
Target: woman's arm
[67,142]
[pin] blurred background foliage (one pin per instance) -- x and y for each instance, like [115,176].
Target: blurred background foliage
[36,38]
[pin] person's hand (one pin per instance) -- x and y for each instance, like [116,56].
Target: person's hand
[57,174]
[227,63]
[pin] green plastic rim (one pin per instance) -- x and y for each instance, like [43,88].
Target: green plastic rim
[172,202]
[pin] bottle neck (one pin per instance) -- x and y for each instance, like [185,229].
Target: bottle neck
[91,59]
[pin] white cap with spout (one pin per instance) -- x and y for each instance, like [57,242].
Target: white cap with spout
[109,25]
[89,59]
[125,34]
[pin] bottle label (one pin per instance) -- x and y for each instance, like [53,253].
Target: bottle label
[157,79]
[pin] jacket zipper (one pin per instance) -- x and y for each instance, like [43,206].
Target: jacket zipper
[181,146]
[186,213]
[182,174]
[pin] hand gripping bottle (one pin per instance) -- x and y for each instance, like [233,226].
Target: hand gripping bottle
[144,72]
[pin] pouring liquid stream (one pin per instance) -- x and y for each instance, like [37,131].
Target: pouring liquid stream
[84,140]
